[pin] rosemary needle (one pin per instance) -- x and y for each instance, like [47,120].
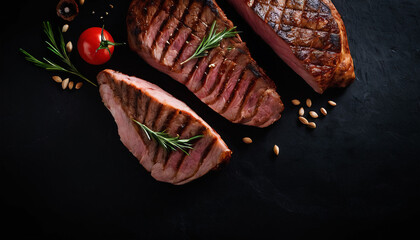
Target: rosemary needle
[166,141]
[210,41]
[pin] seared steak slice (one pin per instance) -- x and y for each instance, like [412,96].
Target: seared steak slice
[309,35]
[167,32]
[130,98]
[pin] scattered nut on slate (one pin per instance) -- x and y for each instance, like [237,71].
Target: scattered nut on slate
[323,111]
[311,125]
[65,83]
[309,102]
[57,79]
[301,111]
[313,114]
[79,85]
[303,120]
[247,140]
[69,47]
[295,102]
[276,150]
[65,28]
[332,103]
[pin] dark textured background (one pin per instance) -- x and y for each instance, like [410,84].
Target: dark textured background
[65,174]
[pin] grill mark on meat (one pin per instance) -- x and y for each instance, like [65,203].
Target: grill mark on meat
[186,157]
[176,32]
[135,97]
[132,101]
[227,61]
[239,94]
[226,80]
[146,106]
[231,83]
[157,116]
[246,95]
[193,24]
[149,7]
[180,130]
[196,81]
[247,119]
[165,25]
[212,7]
[157,11]
[169,124]
[124,99]
[232,94]
[204,23]
[211,73]
[196,18]
[190,37]
[188,49]
[152,29]
[147,110]
[204,154]
[116,87]
[153,110]
[166,114]
[137,111]
[161,153]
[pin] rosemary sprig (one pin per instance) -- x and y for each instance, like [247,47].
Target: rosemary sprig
[166,141]
[212,40]
[59,50]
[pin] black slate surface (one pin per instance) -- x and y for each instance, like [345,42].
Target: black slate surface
[64,173]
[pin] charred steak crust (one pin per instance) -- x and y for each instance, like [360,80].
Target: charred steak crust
[130,98]
[313,32]
[166,32]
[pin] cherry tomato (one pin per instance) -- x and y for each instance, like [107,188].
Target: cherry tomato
[96,45]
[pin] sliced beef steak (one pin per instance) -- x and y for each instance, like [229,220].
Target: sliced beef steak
[130,98]
[309,35]
[167,32]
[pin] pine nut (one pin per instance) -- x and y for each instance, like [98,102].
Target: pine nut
[82,2]
[57,79]
[65,83]
[247,140]
[71,84]
[79,85]
[323,111]
[301,111]
[313,114]
[65,28]
[276,150]
[295,102]
[309,102]
[311,125]
[69,47]
[332,103]
[303,120]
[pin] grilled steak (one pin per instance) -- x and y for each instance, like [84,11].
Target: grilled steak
[167,32]
[309,35]
[130,98]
